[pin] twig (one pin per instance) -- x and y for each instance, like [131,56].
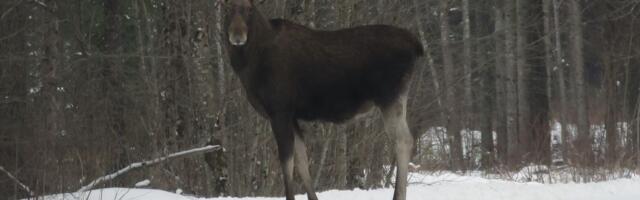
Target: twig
[147,163]
[22,185]
[5,13]
[40,3]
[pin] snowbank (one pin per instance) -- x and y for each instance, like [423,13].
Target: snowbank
[432,187]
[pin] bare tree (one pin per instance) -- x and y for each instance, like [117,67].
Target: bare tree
[560,73]
[522,70]
[500,86]
[453,120]
[467,60]
[583,143]
[49,73]
[97,85]
[511,92]
[487,75]
[611,118]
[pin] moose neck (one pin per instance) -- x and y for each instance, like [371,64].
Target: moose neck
[260,34]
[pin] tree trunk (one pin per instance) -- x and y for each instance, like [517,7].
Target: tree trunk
[113,91]
[427,48]
[220,53]
[522,72]
[537,131]
[15,105]
[610,90]
[342,160]
[50,65]
[511,92]
[431,64]
[453,120]
[583,143]
[376,165]
[548,47]
[312,13]
[560,72]
[323,154]
[487,106]
[151,75]
[637,130]
[381,8]
[467,60]
[548,54]
[502,146]
[355,143]
[281,8]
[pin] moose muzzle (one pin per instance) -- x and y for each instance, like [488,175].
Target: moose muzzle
[238,31]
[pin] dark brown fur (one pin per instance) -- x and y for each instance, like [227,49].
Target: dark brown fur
[325,75]
[292,73]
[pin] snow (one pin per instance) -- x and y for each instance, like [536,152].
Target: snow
[147,163]
[120,194]
[144,183]
[433,145]
[438,186]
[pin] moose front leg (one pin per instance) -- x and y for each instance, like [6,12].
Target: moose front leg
[283,130]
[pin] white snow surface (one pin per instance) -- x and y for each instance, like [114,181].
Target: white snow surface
[144,183]
[442,186]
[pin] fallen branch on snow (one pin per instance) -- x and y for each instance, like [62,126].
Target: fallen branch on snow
[22,185]
[148,163]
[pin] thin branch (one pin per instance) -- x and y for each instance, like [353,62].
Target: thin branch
[14,33]
[148,163]
[6,12]
[22,185]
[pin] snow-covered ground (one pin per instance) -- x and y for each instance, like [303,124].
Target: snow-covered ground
[433,146]
[422,186]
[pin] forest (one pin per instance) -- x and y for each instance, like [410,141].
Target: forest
[88,87]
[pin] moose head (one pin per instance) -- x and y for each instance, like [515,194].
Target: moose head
[240,15]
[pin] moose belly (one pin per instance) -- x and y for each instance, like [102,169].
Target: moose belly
[333,108]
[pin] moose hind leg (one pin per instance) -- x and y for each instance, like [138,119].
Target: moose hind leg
[284,134]
[395,123]
[302,166]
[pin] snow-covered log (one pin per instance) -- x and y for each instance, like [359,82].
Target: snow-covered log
[148,163]
[22,185]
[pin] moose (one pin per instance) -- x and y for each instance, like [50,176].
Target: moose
[291,73]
